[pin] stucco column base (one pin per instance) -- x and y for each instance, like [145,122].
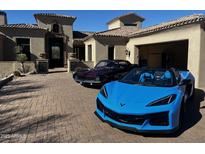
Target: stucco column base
[68,66]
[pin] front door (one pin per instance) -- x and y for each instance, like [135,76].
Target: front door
[56,56]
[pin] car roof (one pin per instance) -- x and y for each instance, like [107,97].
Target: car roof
[116,60]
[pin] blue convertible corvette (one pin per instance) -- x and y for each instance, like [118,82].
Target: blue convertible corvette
[146,100]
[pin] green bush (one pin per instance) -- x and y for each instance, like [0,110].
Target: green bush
[21,57]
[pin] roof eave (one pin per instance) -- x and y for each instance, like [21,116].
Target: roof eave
[146,33]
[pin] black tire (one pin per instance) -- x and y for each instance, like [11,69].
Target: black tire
[190,88]
[74,75]
[181,115]
[193,94]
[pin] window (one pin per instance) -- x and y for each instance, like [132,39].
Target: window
[56,52]
[56,28]
[124,64]
[111,53]
[24,46]
[106,63]
[89,52]
[130,24]
[80,53]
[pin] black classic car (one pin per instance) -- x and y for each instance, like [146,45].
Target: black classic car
[105,71]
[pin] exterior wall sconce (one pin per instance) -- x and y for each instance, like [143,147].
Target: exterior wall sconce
[127,52]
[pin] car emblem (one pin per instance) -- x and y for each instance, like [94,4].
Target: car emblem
[122,104]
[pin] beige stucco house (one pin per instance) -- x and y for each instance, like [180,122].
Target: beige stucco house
[52,37]
[178,43]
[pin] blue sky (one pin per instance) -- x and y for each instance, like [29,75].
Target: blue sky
[96,20]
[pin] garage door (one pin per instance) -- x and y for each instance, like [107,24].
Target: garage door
[164,55]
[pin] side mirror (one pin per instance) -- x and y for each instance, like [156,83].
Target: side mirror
[184,82]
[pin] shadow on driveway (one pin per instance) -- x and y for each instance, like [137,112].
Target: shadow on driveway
[38,124]
[21,89]
[16,90]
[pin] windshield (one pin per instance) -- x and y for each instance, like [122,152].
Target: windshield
[105,64]
[161,78]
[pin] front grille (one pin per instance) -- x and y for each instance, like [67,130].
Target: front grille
[78,77]
[155,119]
[161,120]
[100,106]
[128,119]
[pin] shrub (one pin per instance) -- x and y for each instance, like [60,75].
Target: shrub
[21,57]
[17,73]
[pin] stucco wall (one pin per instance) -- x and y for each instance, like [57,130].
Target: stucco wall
[202,60]
[37,41]
[115,24]
[3,20]
[8,67]
[99,50]
[7,48]
[37,47]
[119,52]
[43,25]
[102,52]
[190,32]
[91,42]
[68,31]
[89,63]
[66,28]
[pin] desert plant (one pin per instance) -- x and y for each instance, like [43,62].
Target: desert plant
[21,58]
[17,73]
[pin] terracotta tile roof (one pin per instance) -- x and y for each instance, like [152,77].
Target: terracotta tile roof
[23,26]
[78,37]
[129,31]
[53,15]
[124,31]
[186,20]
[81,34]
[126,16]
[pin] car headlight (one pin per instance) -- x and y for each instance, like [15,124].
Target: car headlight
[103,91]
[163,101]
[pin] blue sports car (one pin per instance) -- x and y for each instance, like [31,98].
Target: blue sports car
[146,100]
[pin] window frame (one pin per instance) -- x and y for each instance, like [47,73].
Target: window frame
[90,52]
[30,46]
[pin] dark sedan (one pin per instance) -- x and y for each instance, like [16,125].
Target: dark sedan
[105,71]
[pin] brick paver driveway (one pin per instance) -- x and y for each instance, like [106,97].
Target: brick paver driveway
[53,108]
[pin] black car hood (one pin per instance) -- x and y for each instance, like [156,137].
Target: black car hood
[92,73]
